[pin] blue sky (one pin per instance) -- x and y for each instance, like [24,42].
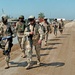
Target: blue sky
[50,8]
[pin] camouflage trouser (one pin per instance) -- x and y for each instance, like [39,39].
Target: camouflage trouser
[7,52]
[7,59]
[55,31]
[46,38]
[28,51]
[51,29]
[37,49]
[21,43]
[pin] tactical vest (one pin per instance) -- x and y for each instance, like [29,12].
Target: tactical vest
[36,36]
[9,31]
[21,28]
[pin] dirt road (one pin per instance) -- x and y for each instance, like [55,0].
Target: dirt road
[57,58]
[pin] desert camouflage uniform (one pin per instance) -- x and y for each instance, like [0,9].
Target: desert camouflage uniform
[20,36]
[5,30]
[61,26]
[29,42]
[47,27]
[55,25]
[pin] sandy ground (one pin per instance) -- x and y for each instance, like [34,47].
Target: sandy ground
[57,58]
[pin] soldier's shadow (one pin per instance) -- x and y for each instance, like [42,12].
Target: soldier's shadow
[55,39]
[66,34]
[55,64]
[34,64]
[62,37]
[23,64]
[49,48]
[54,43]
[18,64]
[34,55]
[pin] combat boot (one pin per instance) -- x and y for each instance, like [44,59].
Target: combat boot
[38,62]
[23,54]
[28,66]
[7,65]
[7,58]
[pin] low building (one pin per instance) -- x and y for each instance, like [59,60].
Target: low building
[58,19]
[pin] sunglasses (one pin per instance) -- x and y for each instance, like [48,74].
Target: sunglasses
[21,18]
[30,20]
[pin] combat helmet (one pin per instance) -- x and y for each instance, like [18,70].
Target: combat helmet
[45,18]
[21,16]
[5,16]
[31,17]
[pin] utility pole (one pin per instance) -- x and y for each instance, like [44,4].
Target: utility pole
[3,11]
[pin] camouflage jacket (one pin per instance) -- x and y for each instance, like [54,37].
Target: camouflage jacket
[20,27]
[36,29]
[46,26]
[55,24]
[5,30]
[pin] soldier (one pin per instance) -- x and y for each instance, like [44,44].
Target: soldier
[37,21]
[61,26]
[47,29]
[20,27]
[55,25]
[6,35]
[33,33]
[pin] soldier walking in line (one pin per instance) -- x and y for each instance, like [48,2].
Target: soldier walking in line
[20,27]
[61,26]
[33,34]
[55,25]
[46,29]
[6,35]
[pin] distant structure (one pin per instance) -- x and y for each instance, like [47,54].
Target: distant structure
[58,19]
